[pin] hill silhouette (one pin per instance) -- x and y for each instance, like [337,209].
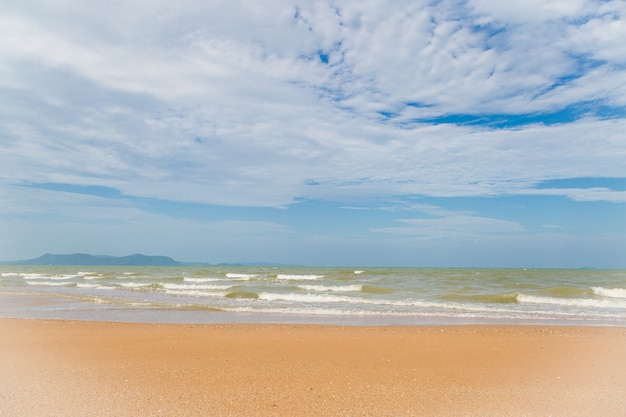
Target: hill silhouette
[104,260]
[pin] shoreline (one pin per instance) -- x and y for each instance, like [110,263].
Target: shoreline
[29,306]
[336,296]
[86,368]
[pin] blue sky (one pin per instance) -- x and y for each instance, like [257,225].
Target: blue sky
[430,133]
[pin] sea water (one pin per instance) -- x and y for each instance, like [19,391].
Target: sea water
[359,296]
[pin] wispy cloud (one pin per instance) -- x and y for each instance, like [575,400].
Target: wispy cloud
[584,194]
[361,104]
[453,226]
[236,105]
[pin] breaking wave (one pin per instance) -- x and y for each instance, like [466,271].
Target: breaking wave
[610,292]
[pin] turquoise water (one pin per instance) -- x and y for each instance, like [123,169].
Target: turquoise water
[412,296]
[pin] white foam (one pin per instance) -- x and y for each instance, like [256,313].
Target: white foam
[311,311]
[187,279]
[343,311]
[289,277]
[83,285]
[99,300]
[570,302]
[50,284]
[414,307]
[196,293]
[90,277]
[358,272]
[195,287]
[331,298]
[136,284]
[34,276]
[63,277]
[240,276]
[610,292]
[9,274]
[307,298]
[332,288]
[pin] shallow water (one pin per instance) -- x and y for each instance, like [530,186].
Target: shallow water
[412,296]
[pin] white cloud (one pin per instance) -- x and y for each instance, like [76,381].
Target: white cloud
[601,35]
[582,194]
[531,10]
[264,166]
[229,103]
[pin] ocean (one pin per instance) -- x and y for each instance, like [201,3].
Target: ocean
[315,295]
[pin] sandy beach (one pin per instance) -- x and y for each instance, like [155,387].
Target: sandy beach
[79,368]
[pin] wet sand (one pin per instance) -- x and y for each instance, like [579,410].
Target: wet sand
[79,368]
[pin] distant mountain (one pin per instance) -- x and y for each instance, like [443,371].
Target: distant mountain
[130,260]
[86,259]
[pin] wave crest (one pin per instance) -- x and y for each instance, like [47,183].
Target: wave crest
[609,292]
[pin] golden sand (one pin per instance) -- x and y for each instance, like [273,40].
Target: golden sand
[75,368]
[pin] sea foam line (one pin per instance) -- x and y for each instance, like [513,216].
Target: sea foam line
[196,293]
[136,284]
[240,276]
[330,298]
[434,307]
[290,277]
[188,279]
[196,287]
[34,276]
[570,302]
[63,277]
[332,288]
[51,284]
[610,292]
[85,285]
[472,314]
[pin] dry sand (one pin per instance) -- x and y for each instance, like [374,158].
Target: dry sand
[75,368]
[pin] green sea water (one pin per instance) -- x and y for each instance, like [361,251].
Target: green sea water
[315,295]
